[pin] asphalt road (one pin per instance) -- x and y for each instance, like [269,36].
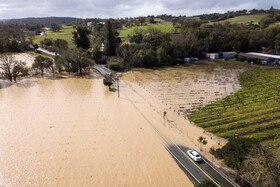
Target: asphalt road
[105,71]
[198,171]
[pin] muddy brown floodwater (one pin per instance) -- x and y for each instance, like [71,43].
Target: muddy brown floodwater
[74,132]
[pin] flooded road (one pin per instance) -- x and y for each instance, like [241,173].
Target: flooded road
[74,132]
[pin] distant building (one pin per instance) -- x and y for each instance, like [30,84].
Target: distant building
[90,24]
[222,55]
[46,52]
[93,24]
[102,47]
[30,33]
[229,55]
[260,58]
[213,56]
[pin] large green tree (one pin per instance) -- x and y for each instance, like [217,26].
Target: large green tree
[187,45]
[59,45]
[56,27]
[81,37]
[74,60]
[111,40]
[257,39]
[41,63]
[162,57]
[137,37]
[271,35]
[107,81]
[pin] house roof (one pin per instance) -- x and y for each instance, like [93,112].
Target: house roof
[265,55]
[261,56]
[45,51]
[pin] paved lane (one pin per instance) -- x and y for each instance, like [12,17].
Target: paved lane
[199,171]
[194,172]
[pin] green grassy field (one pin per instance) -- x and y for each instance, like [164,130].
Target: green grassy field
[165,27]
[255,19]
[65,34]
[253,111]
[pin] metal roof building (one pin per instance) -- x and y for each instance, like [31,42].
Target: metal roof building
[263,55]
[260,58]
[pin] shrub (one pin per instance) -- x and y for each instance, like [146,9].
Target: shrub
[117,67]
[107,81]
[235,151]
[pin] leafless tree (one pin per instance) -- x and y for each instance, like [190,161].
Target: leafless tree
[12,68]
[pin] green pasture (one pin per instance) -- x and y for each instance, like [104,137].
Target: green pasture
[254,18]
[165,27]
[65,33]
[253,111]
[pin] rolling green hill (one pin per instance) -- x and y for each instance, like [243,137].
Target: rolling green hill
[253,111]
[165,27]
[254,18]
[65,33]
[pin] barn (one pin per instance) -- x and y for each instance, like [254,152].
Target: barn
[260,58]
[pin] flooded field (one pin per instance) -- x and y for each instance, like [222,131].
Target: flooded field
[25,57]
[74,132]
[186,89]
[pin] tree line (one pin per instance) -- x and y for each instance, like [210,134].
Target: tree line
[146,48]
[74,61]
[12,39]
[153,48]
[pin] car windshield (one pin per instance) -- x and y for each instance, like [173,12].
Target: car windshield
[194,153]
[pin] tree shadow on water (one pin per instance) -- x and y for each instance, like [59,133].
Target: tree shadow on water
[26,83]
[58,77]
[5,84]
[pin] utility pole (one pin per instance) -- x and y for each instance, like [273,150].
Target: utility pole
[118,87]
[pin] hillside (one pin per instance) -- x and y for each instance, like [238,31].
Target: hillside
[46,21]
[254,18]
[165,27]
[253,111]
[65,33]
